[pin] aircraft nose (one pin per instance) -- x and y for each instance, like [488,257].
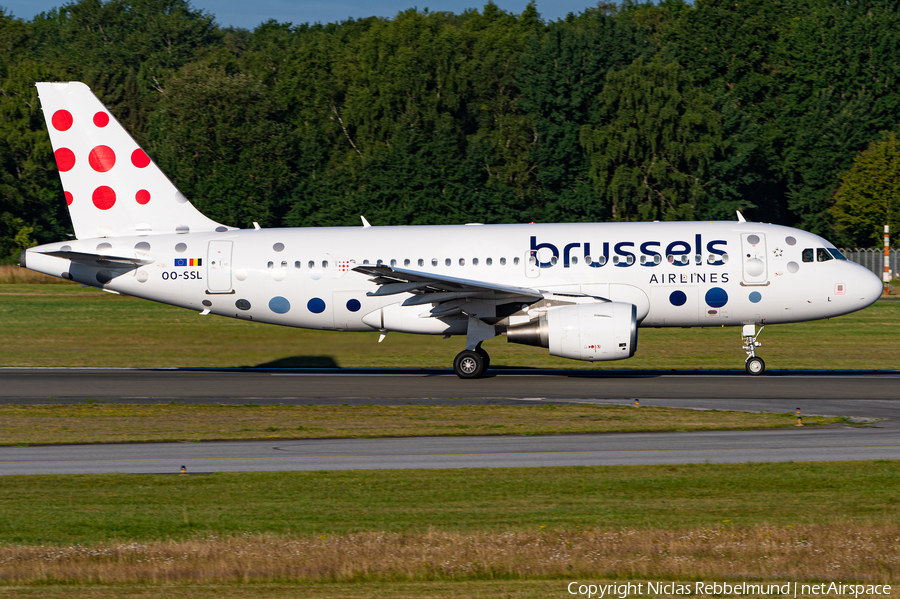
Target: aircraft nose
[870,287]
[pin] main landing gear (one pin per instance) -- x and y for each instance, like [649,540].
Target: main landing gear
[471,363]
[755,365]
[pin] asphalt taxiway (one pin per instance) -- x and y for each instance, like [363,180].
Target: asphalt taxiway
[872,399]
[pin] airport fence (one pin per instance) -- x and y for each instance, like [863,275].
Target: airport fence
[874,259]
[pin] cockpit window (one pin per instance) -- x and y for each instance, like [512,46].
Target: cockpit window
[807,255]
[837,253]
[822,255]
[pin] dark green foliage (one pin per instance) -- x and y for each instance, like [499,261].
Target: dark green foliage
[641,110]
[562,73]
[655,136]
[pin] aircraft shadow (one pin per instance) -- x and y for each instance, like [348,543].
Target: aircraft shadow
[300,362]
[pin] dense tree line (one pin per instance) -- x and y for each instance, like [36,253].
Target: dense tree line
[622,112]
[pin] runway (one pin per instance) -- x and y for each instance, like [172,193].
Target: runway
[873,399]
[378,386]
[459,452]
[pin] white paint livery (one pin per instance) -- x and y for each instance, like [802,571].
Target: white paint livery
[581,290]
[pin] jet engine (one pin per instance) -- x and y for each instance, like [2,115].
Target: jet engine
[603,331]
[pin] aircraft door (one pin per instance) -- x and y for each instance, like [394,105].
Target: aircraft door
[753,255]
[218,267]
[532,269]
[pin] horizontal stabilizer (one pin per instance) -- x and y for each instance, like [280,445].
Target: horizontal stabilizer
[98,258]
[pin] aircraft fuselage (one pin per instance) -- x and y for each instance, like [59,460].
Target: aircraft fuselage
[676,274]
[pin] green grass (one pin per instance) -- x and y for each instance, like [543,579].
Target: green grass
[120,423]
[64,325]
[102,508]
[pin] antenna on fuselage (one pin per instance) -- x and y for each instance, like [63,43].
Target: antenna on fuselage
[741,218]
[366,224]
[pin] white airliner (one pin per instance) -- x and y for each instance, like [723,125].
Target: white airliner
[581,290]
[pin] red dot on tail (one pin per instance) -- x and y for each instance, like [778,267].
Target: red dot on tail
[68,199]
[61,120]
[142,197]
[102,158]
[139,158]
[101,119]
[104,197]
[65,159]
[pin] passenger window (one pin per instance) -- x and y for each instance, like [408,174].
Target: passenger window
[489,261]
[474,261]
[574,259]
[516,260]
[553,260]
[271,265]
[313,264]
[284,265]
[379,262]
[822,255]
[615,259]
[434,261]
[324,263]
[297,264]
[502,261]
[421,262]
[393,262]
[447,262]
[406,262]
[698,259]
[462,261]
[807,255]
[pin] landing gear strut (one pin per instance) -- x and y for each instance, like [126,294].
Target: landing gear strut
[755,365]
[471,364]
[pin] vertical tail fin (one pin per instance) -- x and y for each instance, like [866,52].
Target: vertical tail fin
[112,187]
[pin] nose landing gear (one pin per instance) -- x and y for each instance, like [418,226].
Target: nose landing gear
[755,365]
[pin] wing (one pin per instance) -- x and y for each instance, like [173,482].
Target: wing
[430,288]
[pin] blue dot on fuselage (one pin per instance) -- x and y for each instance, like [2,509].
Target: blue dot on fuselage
[716,297]
[354,305]
[755,297]
[279,305]
[316,305]
[677,298]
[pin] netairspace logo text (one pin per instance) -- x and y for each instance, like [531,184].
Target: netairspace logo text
[625,589]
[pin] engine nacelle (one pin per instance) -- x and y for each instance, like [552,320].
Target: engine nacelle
[604,331]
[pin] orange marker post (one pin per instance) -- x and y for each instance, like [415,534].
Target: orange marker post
[886,279]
